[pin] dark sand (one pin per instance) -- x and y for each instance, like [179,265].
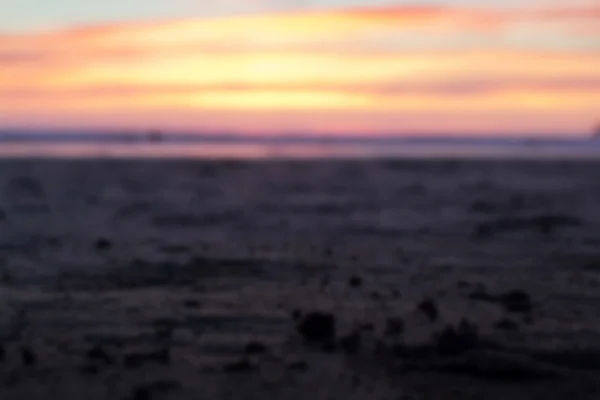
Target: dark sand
[188,280]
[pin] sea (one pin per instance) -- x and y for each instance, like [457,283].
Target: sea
[52,143]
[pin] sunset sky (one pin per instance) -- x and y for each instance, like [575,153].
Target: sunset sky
[275,66]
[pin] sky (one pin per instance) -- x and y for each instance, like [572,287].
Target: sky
[456,67]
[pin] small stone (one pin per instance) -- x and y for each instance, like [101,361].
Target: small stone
[141,393]
[90,370]
[317,327]
[240,366]
[429,308]
[97,353]
[329,346]
[103,244]
[166,385]
[351,343]
[136,360]
[457,341]
[376,296]
[28,356]
[297,366]
[516,301]
[481,295]
[133,360]
[355,281]
[191,303]
[368,326]
[394,326]
[255,348]
[507,325]
[297,314]
[162,356]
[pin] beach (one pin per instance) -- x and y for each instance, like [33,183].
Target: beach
[300,279]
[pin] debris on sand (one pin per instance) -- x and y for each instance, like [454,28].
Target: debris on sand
[317,327]
[481,295]
[141,393]
[495,369]
[191,304]
[103,244]
[394,326]
[580,359]
[297,366]
[136,360]
[514,301]
[255,347]
[457,341]
[98,354]
[355,281]
[240,366]
[351,343]
[544,223]
[506,324]
[296,314]
[430,309]
[28,357]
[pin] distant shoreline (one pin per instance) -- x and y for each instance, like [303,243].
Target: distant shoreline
[160,138]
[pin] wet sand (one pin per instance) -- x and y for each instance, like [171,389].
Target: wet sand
[416,279]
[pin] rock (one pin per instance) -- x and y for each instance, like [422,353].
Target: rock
[482,206]
[578,359]
[240,366]
[255,348]
[516,301]
[457,341]
[162,356]
[394,326]
[141,393]
[136,360]
[329,346]
[144,391]
[481,295]
[103,244]
[89,370]
[429,308]
[506,324]
[367,326]
[355,281]
[297,366]
[297,314]
[165,385]
[317,327]
[376,296]
[463,284]
[501,370]
[191,303]
[98,354]
[351,343]
[28,357]
[544,223]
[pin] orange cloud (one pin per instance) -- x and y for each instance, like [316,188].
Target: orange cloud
[359,61]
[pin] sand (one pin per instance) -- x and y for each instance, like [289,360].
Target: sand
[152,279]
